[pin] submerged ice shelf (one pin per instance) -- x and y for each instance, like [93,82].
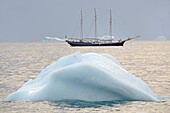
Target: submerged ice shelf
[89,77]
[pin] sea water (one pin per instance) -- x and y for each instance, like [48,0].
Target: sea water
[23,61]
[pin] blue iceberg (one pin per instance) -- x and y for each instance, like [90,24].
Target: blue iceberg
[89,77]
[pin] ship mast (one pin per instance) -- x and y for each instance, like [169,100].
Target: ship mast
[111,25]
[95,23]
[81,24]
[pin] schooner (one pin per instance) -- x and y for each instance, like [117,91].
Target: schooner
[97,42]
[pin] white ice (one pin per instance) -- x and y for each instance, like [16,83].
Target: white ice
[53,39]
[104,37]
[89,77]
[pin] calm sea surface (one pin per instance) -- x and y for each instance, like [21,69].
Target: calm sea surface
[149,60]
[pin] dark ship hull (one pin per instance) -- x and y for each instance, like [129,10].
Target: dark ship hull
[74,43]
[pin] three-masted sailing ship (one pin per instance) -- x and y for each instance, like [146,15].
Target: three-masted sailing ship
[96,42]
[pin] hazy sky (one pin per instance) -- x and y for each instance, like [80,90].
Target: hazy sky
[32,20]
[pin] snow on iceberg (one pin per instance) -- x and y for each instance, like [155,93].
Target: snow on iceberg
[89,77]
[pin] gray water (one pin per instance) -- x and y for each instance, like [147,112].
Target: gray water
[149,60]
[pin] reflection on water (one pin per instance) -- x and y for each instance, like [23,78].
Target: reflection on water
[86,104]
[148,60]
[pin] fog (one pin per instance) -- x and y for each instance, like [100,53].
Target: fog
[32,20]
